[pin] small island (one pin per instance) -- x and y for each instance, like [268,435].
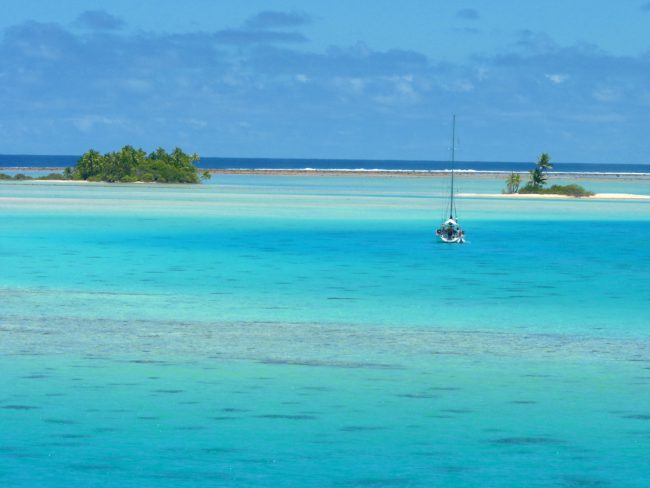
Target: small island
[129,165]
[537,180]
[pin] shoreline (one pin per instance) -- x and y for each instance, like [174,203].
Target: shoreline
[537,196]
[512,196]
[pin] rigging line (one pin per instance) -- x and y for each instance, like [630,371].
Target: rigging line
[453,150]
[452,206]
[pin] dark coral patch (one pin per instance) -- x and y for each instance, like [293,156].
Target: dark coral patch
[417,395]
[360,428]
[526,441]
[637,416]
[88,467]
[286,417]
[381,482]
[60,421]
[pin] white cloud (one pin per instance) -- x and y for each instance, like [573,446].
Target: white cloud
[136,85]
[607,118]
[196,123]
[607,94]
[459,86]
[482,73]
[354,85]
[87,123]
[556,78]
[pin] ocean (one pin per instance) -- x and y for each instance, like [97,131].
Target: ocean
[51,161]
[310,331]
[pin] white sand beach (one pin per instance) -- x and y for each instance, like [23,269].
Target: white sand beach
[597,196]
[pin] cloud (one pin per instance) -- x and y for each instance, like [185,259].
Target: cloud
[646,7]
[260,29]
[271,19]
[353,61]
[467,14]
[98,20]
[32,43]
[467,30]
[556,78]
[254,92]
[87,123]
[607,94]
[242,36]
[535,42]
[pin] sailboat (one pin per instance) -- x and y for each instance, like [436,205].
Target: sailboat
[450,231]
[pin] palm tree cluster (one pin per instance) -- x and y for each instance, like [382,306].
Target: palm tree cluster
[129,165]
[538,175]
[513,182]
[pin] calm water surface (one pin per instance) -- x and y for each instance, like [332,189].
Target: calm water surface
[276,331]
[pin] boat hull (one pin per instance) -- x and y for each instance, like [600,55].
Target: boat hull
[452,240]
[450,232]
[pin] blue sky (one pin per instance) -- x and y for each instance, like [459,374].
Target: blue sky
[328,79]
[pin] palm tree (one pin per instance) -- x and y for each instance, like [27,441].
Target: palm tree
[537,177]
[513,182]
[544,162]
[90,164]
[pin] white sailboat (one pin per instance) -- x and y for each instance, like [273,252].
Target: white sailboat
[450,231]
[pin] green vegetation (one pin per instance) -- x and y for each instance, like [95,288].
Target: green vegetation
[22,177]
[512,183]
[130,165]
[538,177]
[568,190]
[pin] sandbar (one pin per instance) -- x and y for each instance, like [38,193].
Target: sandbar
[597,196]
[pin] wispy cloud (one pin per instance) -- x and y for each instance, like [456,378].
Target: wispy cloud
[243,36]
[535,42]
[272,19]
[254,89]
[353,61]
[86,123]
[556,78]
[264,28]
[468,14]
[98,20]
[607,94]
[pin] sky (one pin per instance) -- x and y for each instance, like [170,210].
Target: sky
[364,79]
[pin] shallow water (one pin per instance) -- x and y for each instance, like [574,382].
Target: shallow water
[267,331]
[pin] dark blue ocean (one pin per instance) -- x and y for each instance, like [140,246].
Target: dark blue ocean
[59,161]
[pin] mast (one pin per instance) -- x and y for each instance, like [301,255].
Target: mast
[453,160]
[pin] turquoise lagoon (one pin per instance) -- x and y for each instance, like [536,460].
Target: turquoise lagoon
[309,331]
